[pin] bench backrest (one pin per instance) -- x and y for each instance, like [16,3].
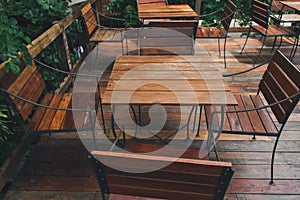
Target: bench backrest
[281,80]
[182,179]
[89,18]
[228,14]
[260,13]
[29,85]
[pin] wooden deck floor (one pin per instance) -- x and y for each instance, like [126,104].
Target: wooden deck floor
[58,166]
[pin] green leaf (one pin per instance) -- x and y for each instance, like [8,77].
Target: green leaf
[14,68]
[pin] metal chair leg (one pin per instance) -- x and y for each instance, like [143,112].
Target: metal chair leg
[199,122]
[262,46]
[272,160]
[248,34]
[195,118]
[219,46]
[294,49]
[225,53]
[274,43]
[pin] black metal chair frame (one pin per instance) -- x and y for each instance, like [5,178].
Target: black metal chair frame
[262,20]
[295,97]
[225,18]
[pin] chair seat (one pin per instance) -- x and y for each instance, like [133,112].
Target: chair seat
[287,17]
[274,30]
[106,35]
[60,120]
[258,122]
[211,32]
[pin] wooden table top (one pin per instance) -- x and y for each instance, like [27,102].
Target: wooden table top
[292,4]
[146,11]
[166,80]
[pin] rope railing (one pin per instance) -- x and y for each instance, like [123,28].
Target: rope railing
[108,17]
[101,26]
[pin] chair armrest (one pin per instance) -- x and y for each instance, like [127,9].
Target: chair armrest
[262,107]
[248,70]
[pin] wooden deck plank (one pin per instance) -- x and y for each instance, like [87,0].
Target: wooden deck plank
[58,167]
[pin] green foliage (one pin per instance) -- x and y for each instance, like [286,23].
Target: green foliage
[13,43]
[5,123]
[21,22]
[36,16]
[125,9]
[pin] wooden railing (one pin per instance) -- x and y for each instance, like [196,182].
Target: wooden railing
[56,40]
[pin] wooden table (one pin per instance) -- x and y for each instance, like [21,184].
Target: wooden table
[165,80]
[146,11]
[292,4]
[159,79]
[293,18]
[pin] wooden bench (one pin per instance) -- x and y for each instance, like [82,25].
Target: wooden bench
[97,32]
[168,37]
[279,88]
[42,112]
[180,179]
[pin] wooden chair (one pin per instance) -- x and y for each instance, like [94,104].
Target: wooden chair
[214,32]
[151,2]
[180,179]
[280,88]
[168,37]
[96,31]
[40,112]
[260,17]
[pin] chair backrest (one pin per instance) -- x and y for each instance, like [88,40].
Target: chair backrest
[151,2]
[187,27]
[281,80]
[89,17]
[260,13]
[228,14]
[181,179]
[29,85]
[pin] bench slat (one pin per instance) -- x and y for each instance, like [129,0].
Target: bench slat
[60,114]
[39,113]
[49,114]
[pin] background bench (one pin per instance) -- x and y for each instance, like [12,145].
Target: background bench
[37,110]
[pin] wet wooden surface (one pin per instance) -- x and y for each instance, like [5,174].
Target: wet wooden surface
[58,166]
[148,11]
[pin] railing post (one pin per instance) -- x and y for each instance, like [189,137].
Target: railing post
[62,54]
[198,6]
[67,50]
